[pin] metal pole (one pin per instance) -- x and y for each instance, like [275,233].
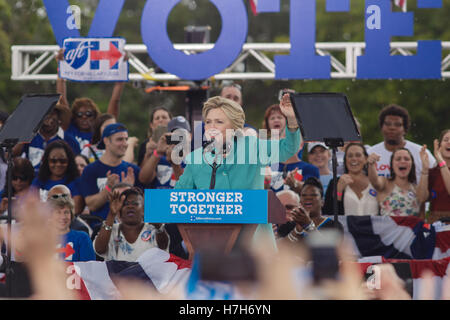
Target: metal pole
[335,202]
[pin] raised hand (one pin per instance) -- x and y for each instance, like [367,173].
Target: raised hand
[112,179]
[424,158]
[129,177]
[292,182]
[437,151]
[162,145]
[301,216]
[343,182]
[60,55]
[115,202]
[288,110]
[150,146]
[373,158]
[133,141]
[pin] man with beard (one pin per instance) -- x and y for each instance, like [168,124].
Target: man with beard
[394,123]
[49,131]
[102,175]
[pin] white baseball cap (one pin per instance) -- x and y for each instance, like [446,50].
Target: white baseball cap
[312,145]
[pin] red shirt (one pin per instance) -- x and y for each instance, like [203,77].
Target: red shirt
[439,197]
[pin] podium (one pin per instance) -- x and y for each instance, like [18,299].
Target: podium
[214,219]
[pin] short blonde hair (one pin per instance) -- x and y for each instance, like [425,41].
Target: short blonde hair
[61,203]
[232,110]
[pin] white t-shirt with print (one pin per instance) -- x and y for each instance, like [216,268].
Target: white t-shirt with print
[383,166]
[120,249]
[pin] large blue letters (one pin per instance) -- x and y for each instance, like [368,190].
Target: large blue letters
[377,63]
[301,63]
[202,65]
[103,25]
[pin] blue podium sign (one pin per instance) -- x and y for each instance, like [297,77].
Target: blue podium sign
[206,206]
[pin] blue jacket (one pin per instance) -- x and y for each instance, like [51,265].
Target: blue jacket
[244,168]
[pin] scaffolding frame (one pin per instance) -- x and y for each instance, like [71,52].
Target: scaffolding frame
[29,61]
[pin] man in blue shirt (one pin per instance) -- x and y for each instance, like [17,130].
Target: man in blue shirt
[99,177]
[49,131]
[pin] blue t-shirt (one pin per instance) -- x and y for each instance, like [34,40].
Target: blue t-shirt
[35,149]
[326,180]
[278,169]
[94,179]
[82,138]
[44,186]
[76,246]
[164,173]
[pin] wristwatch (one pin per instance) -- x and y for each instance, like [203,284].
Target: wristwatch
[105,226]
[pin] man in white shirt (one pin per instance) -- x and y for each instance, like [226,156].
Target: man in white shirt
[394,123]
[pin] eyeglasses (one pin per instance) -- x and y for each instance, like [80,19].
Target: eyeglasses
[88,114]
[289,207]
[61,160]
[21,178]
[59,196]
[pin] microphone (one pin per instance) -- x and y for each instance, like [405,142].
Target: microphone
[207,143]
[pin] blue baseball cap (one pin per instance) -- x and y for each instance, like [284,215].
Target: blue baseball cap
[179,122]
[109,131]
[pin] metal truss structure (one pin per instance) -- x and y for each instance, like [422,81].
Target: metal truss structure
[255,62]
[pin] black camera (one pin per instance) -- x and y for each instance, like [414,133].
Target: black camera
[170,141]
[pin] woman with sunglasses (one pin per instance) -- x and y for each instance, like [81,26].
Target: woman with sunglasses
[22,177]
[58,167]
[84,113]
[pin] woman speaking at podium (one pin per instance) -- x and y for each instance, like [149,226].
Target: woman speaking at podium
[240,163]
[242,160]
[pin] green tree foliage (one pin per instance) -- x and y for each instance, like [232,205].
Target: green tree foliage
[25,22]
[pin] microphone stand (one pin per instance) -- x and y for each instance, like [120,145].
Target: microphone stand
[214,166]
[9,144]
[334,143]
[207,147]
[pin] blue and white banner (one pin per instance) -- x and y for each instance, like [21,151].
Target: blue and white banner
[205,206]
[94,59]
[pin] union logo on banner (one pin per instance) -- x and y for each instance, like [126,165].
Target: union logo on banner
[94,59]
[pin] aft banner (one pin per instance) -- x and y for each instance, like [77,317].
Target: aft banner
[206,206]
[94,59]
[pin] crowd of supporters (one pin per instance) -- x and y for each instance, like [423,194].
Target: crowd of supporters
[82,164]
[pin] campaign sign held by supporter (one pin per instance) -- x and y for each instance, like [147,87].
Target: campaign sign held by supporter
[205,206]
[94,59]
